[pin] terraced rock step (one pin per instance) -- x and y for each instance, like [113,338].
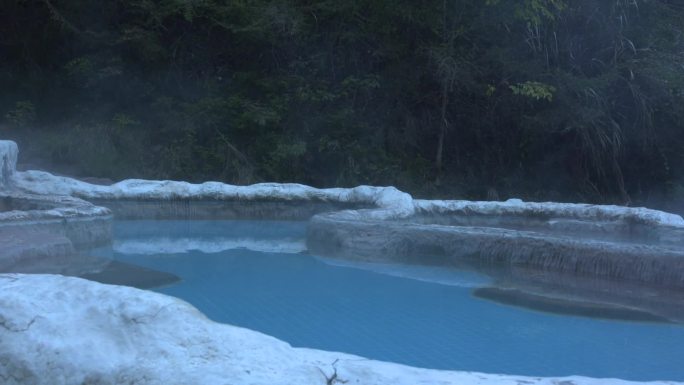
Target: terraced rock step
[337,235]
[32,251]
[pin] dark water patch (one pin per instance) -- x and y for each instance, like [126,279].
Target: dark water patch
[126,274]
[562,306]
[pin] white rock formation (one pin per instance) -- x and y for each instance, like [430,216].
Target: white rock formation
[39,182]
[552,209]
[394,202]
[56,330]
[50,207]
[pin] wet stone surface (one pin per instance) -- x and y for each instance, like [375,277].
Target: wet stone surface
[32,251]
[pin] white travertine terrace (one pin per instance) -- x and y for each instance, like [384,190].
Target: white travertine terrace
[39,182]
[398,203]
[553,209]
[57,330]
[58,207]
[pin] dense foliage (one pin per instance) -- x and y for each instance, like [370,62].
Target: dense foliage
[542,99]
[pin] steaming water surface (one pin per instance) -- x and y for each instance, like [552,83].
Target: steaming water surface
[258,275]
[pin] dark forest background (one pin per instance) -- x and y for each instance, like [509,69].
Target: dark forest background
[570,100]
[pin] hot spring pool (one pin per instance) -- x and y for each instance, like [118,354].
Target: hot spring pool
[257,274]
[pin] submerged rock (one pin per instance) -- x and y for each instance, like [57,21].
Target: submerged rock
[562,306]
[124,274]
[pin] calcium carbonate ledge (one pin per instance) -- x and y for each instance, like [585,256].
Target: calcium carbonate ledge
[83,223]
[44,233]
[136,198]
[550,210]
[354,236]
[391,202]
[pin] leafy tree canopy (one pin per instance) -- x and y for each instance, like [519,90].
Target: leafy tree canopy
[542,99]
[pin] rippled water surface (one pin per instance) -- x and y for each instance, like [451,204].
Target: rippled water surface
[258,275]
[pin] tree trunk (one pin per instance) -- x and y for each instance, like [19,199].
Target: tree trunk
[443,125]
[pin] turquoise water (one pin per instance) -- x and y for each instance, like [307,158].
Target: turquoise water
[256,275]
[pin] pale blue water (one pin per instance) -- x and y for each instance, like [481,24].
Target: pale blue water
[309,303]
